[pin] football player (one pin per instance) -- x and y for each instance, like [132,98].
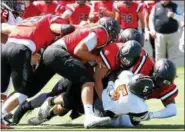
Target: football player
[77,12]
[164,89]
[101,9]
[25,39]
[139,60]
[66,57]
[128,13]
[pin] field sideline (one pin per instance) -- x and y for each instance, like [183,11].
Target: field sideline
[65,124]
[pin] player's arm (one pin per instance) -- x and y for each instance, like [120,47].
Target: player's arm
[99,74]
[68,12]
[7,28]
[84,48]
[140,15]
[116,11]
[62,29]
[169,110]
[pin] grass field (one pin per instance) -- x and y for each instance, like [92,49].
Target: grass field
[65,124]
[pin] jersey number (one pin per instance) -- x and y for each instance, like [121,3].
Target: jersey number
[117,92]
[127,18]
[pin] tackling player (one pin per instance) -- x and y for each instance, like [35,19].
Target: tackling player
[66,57]
[135,60]
[25,39]
[164,89]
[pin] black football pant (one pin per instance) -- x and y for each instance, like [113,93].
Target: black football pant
[152,42]
[15,62]
[57,60]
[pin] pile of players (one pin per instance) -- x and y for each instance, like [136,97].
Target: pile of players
[106,73]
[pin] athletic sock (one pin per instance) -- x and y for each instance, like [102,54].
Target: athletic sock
[88,109]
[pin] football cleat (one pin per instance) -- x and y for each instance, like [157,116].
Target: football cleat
[95,121]
[45,109]
[36,120]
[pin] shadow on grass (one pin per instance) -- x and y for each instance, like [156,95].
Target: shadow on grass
[79,127]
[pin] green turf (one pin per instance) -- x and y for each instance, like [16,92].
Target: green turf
[65,124]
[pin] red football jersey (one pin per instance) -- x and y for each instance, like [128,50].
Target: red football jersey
[79,13]
[149,5]
[37,29]
[73,39]
[108,5]
[166,93]
[46,8]
[128,15]
[109,55]
[144,65]
[61,7]
[31,11]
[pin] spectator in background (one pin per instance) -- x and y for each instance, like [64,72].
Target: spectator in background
[164,26]
[31,10]
[77,12]
[61,7]
[147,10]
[101,9]
[128,13]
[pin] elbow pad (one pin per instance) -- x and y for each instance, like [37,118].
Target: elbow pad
[67,28]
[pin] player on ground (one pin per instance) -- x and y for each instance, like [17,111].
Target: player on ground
[164,89]
[29,39]
[140,62]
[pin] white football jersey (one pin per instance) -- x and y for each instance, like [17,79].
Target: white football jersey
[126,102]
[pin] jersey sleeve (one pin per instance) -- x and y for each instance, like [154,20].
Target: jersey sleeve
[171,93]
[115,6]
[140,7]
[91,41]
[70,7]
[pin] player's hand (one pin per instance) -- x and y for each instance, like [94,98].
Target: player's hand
[170,14]
[100,62]
[145,117]
[153,34]
[147,35]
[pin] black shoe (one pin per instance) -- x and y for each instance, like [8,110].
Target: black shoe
[20,112]
[75,114]
[8,119]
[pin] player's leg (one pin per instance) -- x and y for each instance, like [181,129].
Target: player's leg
[61,62]
[152,42]
[5,77]
[160,46]
[40,77]
[21,74]
[172,47]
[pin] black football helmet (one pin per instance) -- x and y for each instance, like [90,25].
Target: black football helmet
[131,34]
[164,72]
[112,27]
[129,53]
[141,86]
